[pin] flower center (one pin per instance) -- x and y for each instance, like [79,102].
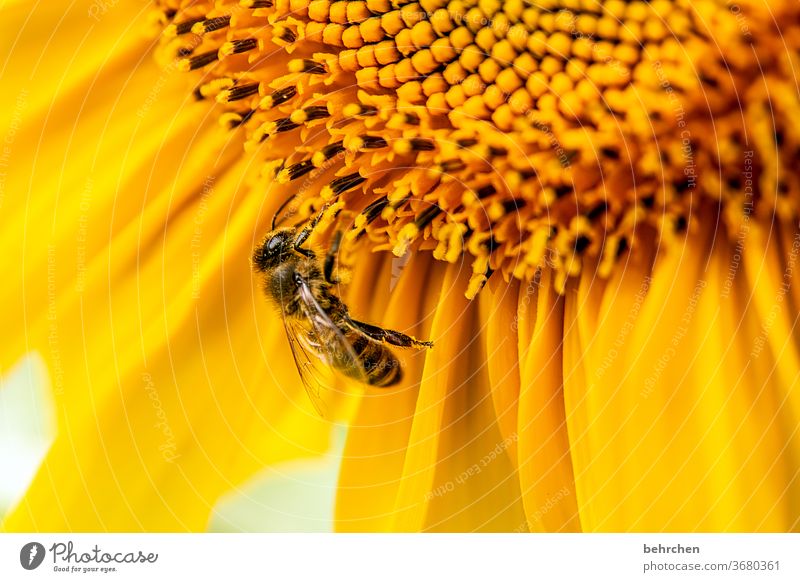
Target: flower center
[556,133]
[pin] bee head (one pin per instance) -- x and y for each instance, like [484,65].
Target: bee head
[277,246]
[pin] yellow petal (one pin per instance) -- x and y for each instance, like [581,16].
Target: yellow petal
[686,431]
[545,467]
[132,234]
[96,141]
[457,475]
[184,411]
[772,272]
[498,327]
[373,458]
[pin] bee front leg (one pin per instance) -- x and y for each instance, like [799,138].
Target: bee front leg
[303,235]
[330,258]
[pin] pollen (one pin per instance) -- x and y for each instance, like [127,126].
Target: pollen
[524,136]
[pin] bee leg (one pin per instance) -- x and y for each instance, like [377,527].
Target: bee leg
[389,336]
[330,258]
[302,237]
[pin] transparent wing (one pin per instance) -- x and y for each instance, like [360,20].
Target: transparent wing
[309,365]
[320,349]
[335,349]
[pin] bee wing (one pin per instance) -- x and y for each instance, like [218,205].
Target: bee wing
[307,360]
[319,347]
[335,349]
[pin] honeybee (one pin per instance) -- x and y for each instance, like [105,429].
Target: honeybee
[318,324]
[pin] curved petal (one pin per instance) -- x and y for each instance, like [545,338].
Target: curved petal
[374,455]
[545,466]
[688,430]
[457,475]
[133,245]
[172,417]
[499,325]
[93,150]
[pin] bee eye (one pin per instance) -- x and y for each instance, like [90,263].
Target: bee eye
[274,245]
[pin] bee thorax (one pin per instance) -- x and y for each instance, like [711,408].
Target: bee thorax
[281,286]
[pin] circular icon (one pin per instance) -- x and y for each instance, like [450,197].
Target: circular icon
[31,555]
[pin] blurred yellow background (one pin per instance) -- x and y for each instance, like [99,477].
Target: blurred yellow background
[291,497]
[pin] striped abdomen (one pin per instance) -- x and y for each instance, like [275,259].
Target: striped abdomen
[380,366]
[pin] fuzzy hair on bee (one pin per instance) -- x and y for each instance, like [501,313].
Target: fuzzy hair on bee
[281,265]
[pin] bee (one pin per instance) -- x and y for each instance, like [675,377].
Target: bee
[317,322]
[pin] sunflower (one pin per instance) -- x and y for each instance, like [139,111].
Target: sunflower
[589,207]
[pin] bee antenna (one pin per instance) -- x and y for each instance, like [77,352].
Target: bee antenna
[283,205]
